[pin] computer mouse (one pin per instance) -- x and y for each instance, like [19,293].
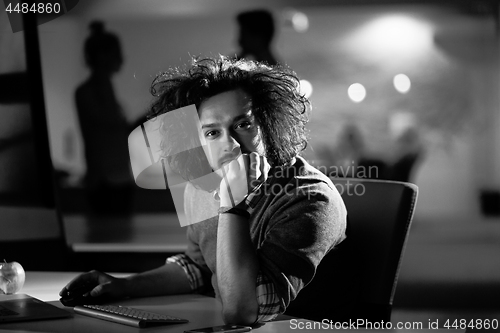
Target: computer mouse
[79,295]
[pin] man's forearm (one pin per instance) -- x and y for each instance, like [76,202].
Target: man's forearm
[168,279]
[237,269]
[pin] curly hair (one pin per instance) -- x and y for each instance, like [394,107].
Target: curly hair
[279,108]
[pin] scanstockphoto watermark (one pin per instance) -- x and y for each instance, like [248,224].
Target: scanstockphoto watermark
[350,170]
[348,187]
[345,186]
[327,324]
[364,324]
[38,12]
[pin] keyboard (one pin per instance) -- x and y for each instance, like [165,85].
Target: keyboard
[126,315]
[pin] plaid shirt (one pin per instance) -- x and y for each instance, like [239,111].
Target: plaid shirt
[267,298]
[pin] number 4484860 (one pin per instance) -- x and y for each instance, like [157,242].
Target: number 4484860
[40,8]
[472,324]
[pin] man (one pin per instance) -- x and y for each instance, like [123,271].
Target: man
[271,217]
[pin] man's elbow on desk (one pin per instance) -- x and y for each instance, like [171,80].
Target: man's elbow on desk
[243,315]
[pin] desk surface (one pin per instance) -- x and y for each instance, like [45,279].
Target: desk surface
[201,311]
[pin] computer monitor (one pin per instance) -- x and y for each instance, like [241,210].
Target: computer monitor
[31,231]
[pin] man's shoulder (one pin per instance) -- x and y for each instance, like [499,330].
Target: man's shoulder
[306,170]
[303,173]
[301,186]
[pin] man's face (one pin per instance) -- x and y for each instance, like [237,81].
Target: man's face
[228,128]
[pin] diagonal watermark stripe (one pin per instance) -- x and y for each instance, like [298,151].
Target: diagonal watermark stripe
[173,138]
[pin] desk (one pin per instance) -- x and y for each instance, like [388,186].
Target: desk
[201,311]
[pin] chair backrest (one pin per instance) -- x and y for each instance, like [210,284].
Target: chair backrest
[357,280]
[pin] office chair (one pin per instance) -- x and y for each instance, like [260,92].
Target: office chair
[357,279]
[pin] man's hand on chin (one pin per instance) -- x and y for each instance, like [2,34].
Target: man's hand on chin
[240,177]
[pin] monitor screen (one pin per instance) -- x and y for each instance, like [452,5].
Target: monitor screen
[27,197]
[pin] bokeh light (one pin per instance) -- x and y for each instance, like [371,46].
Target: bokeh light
[295,19]
[402,83]
[356,92]
[300,22]
[392,38]
[306,88]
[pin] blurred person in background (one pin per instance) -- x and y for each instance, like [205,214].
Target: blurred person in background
[409,153]
[256,32]
[104,128]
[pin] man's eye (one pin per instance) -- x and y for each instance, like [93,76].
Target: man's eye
[210,134]
[244,125]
